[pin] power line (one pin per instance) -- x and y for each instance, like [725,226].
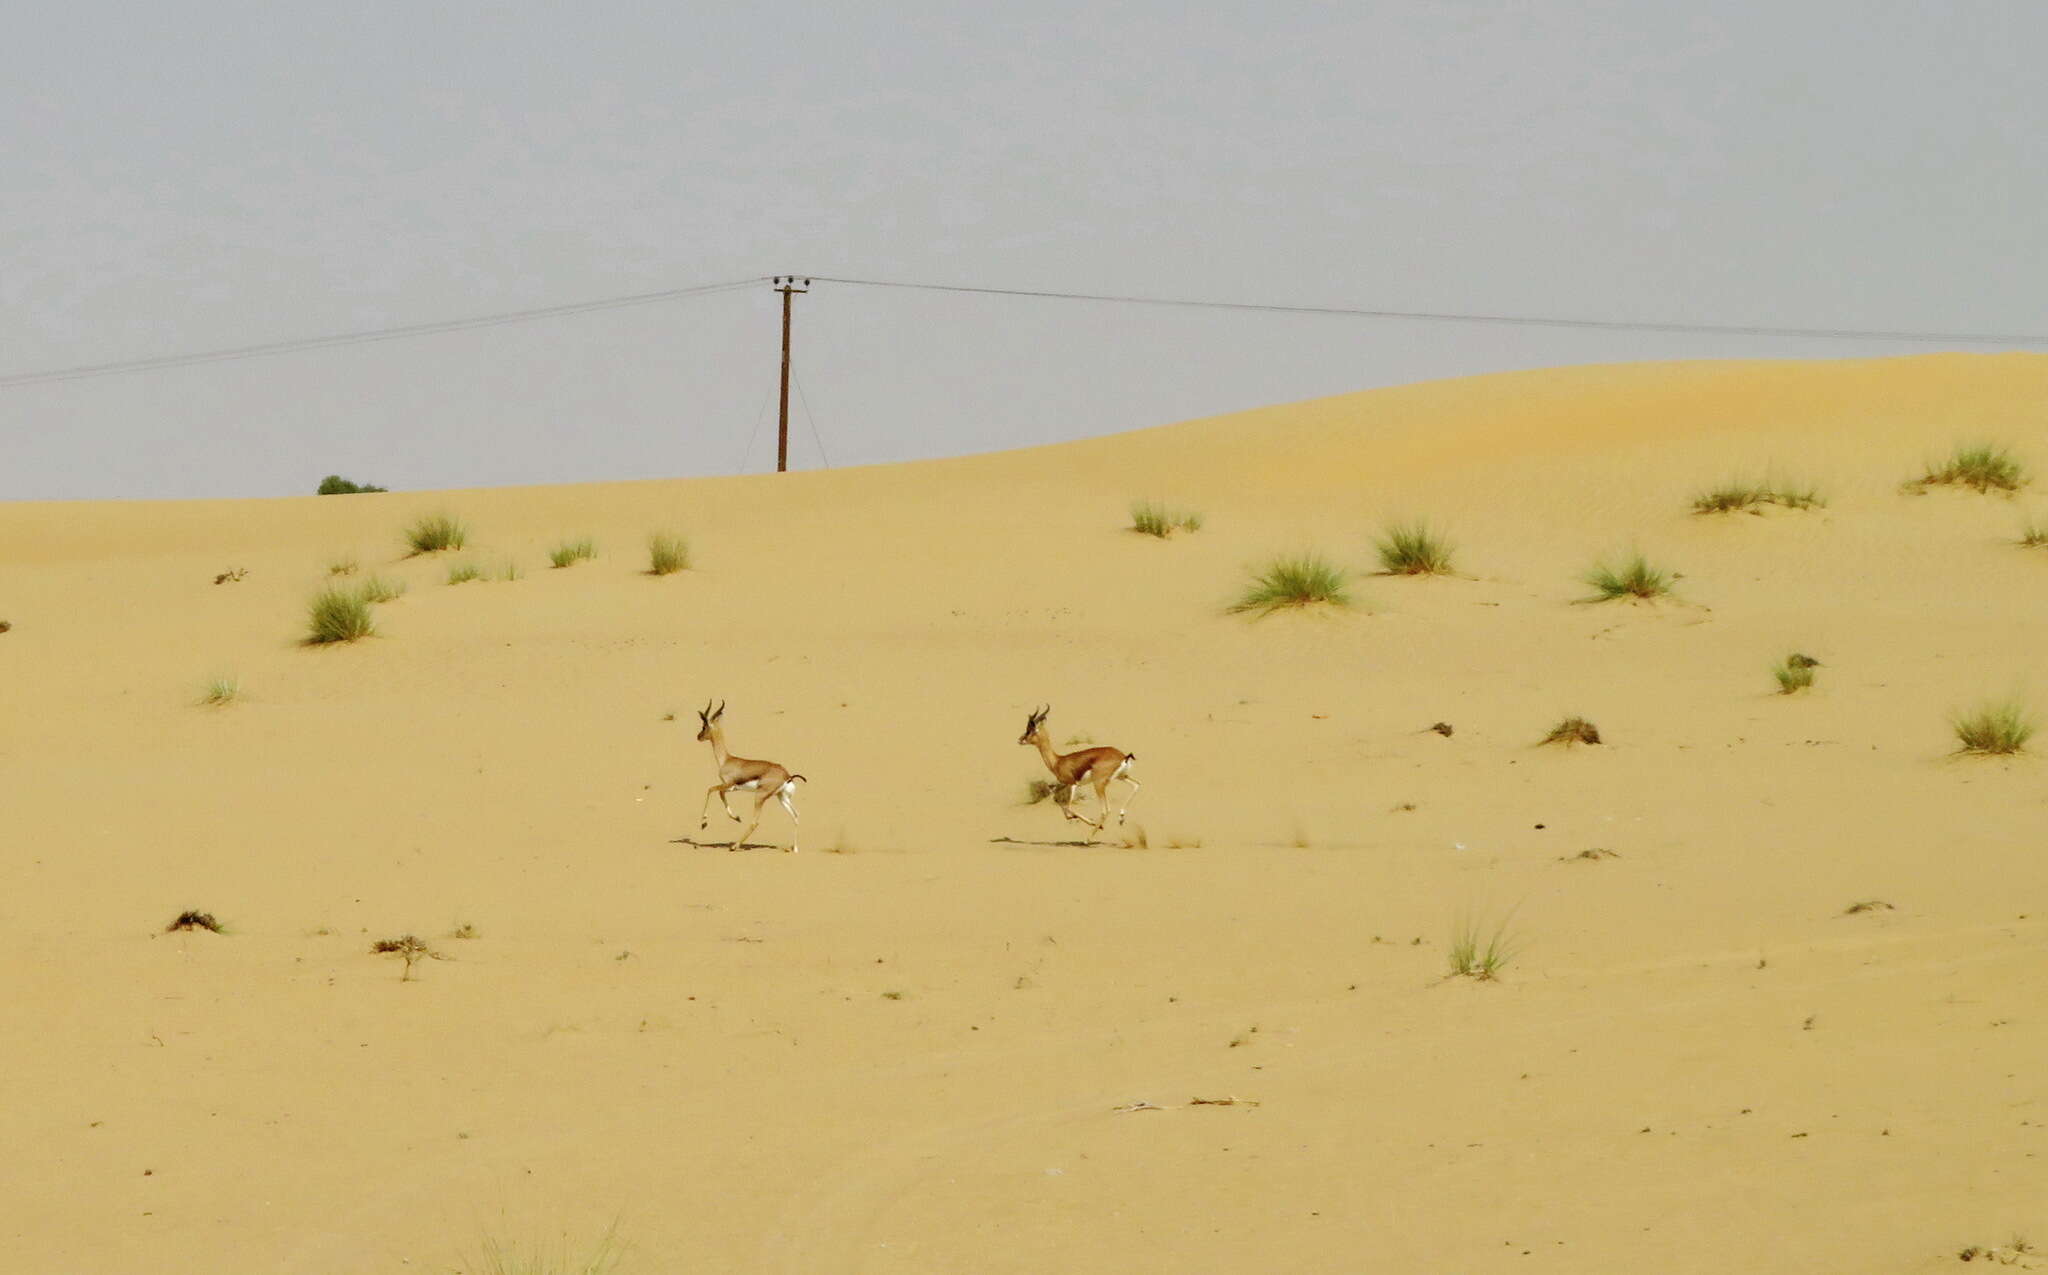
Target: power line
[402,331]
[370,334]
[1437,316]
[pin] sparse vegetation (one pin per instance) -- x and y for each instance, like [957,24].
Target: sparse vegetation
[338,615]
[571,552]
[1632,577]
[1304,580]
[1573,730]
[435,533]
[409,949]
[343,566]
[221,690]
[1153,519]
[1998,729]
[376,589]
[1795,673]
[464,572]
[497,1258]
[463,931]
[233,575]
[6,626]
[510,572]
[2033,535]
[667,554]
[1038,790]
[1481,953]
[1742,497]
[1867,905]
[195,921]
[1983,467]
[1413,549]
[336,485]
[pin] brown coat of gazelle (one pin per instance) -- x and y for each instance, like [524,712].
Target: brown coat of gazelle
[1094,767]
[745,775]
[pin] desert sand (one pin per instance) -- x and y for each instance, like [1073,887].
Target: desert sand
[945,1037]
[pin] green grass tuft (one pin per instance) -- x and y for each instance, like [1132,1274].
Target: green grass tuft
[377,589]
[221,691]
[1481,953]
[1794,673]
[1154,519]
[1998,729]
[464,572]
[1741,497]
[667,555]
[1632,577]
[1412,549]
[1981,467]
[338,615]
[1305,580]
[571,552]
[436,532]
[510,571]
[345,566]
[2033,535]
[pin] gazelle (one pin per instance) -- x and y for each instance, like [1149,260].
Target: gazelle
[1095,767]
[745,775]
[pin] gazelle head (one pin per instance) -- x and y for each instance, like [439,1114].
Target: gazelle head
[709,716]
[1033,728]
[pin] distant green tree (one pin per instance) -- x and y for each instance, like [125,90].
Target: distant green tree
[336,485]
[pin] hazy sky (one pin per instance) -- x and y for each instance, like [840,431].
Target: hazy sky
[206,174]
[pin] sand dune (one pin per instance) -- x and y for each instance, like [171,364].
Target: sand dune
[920,1045]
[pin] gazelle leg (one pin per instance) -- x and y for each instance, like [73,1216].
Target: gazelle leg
[1128,800]
[759,803]
[704,815]
[782,795]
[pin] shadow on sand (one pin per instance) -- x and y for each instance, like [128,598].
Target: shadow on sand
[723,845]
[1015,841]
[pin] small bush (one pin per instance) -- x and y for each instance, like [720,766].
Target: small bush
[1305,580]
[571,552]
[667,555]
[435,533]
[1982,467]
[464,572]
[1741,497]
[1997,729]
[336,485]
[1633,577]
[1479,953]
[1573,730]
[2033,536]
[377,589]
[338,615]
[1412,549]
[407,948]
[1153,519]
[510,571]
[342,566]
[221,691]
[195,921]
[1795,673]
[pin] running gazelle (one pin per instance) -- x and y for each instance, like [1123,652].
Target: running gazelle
[744,775]
[1095,767]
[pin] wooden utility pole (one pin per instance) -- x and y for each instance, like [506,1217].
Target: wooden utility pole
[787,285]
